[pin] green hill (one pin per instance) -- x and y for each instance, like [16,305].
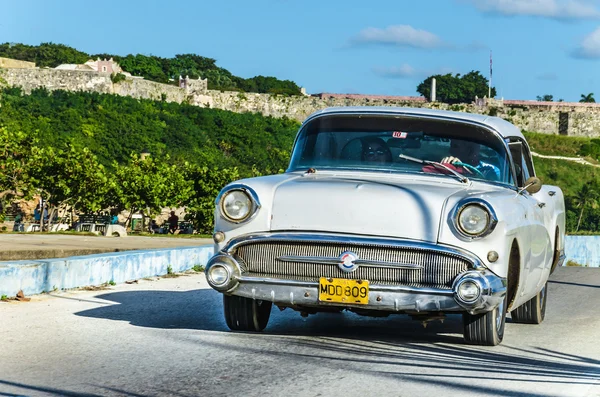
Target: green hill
[113,127]
[579,182]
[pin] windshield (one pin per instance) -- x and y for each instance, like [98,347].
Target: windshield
[383,143]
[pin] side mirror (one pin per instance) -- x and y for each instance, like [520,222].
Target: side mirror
[532,185]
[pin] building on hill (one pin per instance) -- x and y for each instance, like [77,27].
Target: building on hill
[16,64]
[105,66]
[99,65]
[192,85]
[73,66]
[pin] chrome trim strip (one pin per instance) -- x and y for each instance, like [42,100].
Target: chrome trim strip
[372,287]
[276,281]
[311,259]
[371,263]
[325,238]
[411,290]
[335,261]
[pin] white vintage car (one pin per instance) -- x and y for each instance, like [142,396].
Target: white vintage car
[393,210]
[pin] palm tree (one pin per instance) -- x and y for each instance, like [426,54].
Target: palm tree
[588,98]
[586,196]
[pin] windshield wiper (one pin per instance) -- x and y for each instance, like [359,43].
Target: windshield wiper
[462,178]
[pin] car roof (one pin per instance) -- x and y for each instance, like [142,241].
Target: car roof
[503,127]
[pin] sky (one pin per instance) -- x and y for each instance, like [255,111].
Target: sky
[378,47]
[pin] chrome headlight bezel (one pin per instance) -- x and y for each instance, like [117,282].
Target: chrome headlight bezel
[492,219]
[231,266]
[250,194]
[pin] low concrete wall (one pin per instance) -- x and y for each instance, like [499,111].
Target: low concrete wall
[34,277]
[585,250]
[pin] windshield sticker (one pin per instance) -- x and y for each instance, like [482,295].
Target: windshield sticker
[398,134]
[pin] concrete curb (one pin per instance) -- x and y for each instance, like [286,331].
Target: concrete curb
[37,276]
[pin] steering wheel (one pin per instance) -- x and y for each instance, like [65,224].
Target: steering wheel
[470,168]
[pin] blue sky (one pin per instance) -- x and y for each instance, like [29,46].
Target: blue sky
[381,47]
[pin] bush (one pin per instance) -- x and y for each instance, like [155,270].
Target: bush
[591,149]
[117,77]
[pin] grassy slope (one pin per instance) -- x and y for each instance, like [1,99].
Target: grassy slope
[568,175]
[556,145]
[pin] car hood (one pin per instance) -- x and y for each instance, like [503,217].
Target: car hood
[391,207]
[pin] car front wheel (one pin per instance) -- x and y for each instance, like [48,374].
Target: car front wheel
[533,311]
[245,314]
[485,328]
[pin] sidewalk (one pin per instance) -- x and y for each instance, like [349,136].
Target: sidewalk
[42,246]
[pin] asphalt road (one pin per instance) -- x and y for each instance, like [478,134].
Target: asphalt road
[167,338]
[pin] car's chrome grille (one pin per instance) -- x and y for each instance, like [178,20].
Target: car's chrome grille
[437,269]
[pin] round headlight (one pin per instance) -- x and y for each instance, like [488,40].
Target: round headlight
[218,274]
[473,220]
[236,205]
[469,291]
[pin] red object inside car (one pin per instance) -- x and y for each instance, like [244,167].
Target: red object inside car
[440,170]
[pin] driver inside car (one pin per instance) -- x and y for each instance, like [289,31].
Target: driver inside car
[468,153]
[375,150]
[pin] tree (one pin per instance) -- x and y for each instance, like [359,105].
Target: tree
[73,177]
[545,98]
[19,155]
[208,182]
[46,54]
[457,89]
[587,196]
[149,185]
[589,98]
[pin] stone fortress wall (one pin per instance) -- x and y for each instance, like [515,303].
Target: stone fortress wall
[565,118]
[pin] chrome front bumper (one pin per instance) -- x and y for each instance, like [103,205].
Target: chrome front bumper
[391,298]
[387,298]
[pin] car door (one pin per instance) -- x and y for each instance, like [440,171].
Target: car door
[546,201]
[537,218]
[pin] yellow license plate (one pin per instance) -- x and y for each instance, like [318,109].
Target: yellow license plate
[340,290]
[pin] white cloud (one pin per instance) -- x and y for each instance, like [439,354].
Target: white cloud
[555,9]
[400,35]
[590,46]
[403,71]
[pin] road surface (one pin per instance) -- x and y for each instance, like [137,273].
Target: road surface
[167,337]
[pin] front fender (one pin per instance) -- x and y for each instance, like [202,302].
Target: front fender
[512,225]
